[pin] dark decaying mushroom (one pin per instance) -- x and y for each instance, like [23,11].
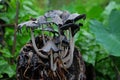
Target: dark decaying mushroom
[52,57]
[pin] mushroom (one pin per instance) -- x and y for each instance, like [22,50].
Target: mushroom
[53,65]
[69,59]
[50,45]
[34,23]
[50,48]
[57,20]
[35,47]
[74,27]
[65,21]
[64,16]
[65,54]
[53,13]
[75,17]
[41,20]
[29,24]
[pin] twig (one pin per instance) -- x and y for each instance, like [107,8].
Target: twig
[7,25]
[15,26]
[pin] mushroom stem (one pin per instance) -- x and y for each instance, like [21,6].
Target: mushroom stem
[35,47]
[43,36]
[66,51]
[70,56]
[52,64]
[66,58]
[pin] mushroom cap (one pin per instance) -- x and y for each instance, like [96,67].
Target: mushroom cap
[75,17]
[53,13]
[74,27]
[50,45]
[30,24]
[57,20]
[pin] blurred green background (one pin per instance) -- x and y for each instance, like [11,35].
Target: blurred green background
[98,40]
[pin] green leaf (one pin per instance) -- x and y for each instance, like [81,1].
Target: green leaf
[1,6]
[3,62]
[108,36]
[6,53]
[3,65]
[7,68]
[112,5]
[1,76]
[9,71]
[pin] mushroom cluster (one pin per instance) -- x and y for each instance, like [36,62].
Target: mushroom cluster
[52,57]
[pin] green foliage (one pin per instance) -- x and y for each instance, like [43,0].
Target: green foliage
[89,48]
[5,66]
[7,59]
[108,36]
